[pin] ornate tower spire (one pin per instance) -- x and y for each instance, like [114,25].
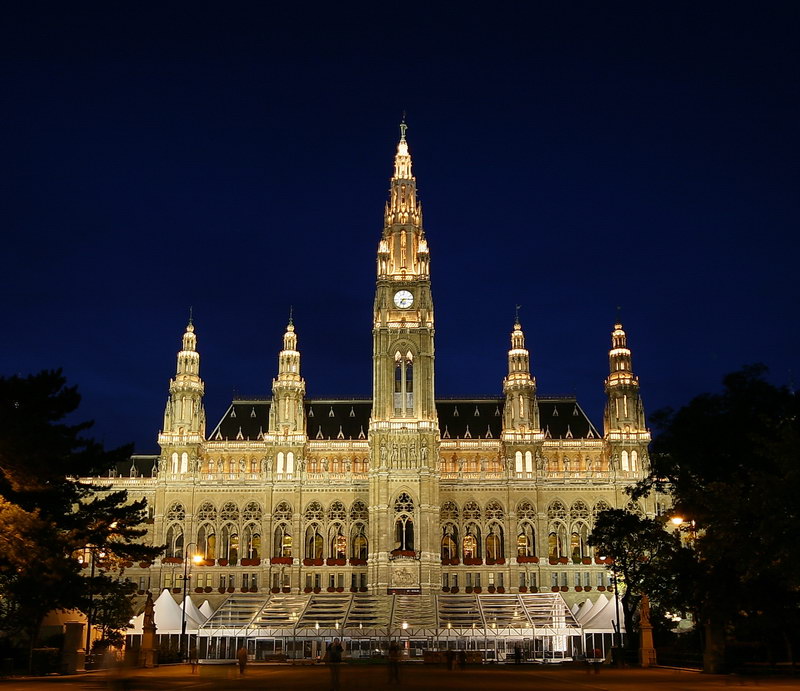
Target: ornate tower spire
[184,417]
[184,414]
[403,251]
[624,409]
[287,414]
[521,413]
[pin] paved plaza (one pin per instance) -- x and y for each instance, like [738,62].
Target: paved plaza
[412,676]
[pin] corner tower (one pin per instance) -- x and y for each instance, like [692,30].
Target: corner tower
[404,430]
[184,416]
[624,423]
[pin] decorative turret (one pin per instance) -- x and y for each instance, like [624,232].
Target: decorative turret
[184,417]
[521,413]
[184,414]
[287,414]
[624,409]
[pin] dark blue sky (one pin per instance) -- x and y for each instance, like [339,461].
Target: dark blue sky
[571,157]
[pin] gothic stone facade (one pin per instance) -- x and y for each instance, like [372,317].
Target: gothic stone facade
[404,492]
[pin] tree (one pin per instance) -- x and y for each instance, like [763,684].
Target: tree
[732,463]
[645,557]
[47,515]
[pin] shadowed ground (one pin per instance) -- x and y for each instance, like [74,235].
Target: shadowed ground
[412,676]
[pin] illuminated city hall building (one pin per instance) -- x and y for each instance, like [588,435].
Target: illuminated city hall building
[430,517]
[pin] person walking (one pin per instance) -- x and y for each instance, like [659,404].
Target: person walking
[394,663]
[242,657]
[334,657]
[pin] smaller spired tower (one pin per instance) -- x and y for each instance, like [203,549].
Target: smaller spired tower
[184,416]
[287,414]
[521,412]
[624,422]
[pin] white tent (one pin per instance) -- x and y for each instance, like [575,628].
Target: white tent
[192,611]
[602,617]
[167,615]
[206,610]
[583,611]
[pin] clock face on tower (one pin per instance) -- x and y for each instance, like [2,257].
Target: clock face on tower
[403,299]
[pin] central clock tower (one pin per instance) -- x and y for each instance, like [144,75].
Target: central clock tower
[404,430]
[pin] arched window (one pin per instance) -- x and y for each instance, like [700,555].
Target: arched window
[229,544]
[280,467]
[472,541]
[282,512]
[449,546]
[207,541]
[359,511]
[337,512]
[404,523]
[518,467]
[314,542]
[634,461]
[598,507]
[176,512]
[359,542]
[448,511]
[526,510]
[472,510]
[251,543]
[557,531]
[290,463]
[175,541]
[526,540]
[403,384]
[175,463]
[282,545]
[229,512]
[634,507]
[252,512]
[184,462]
[557,540]
[494,510]
[579,542]
[207,512]
[625,463]
[528,462]
[338,542]
[494,542]
[313,512]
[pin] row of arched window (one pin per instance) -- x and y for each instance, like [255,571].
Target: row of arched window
[233,535]
[467,532]
[472,533]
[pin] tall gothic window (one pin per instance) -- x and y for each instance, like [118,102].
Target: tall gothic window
[359,542]
[403,384]
[449,548]
[404,523]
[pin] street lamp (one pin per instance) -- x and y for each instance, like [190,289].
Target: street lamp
[89,614]
[617,641]
[197,558]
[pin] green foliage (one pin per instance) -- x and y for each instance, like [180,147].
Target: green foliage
[47,516]
[645,559]
[113,609]
[732,463]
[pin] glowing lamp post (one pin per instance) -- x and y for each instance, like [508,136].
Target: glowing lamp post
[197,558]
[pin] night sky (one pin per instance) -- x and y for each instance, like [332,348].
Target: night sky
[570,157]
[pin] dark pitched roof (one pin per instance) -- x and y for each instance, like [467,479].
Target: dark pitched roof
[462,418]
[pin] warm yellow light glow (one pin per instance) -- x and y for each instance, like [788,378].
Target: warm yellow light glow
[676,520]
[197,558]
